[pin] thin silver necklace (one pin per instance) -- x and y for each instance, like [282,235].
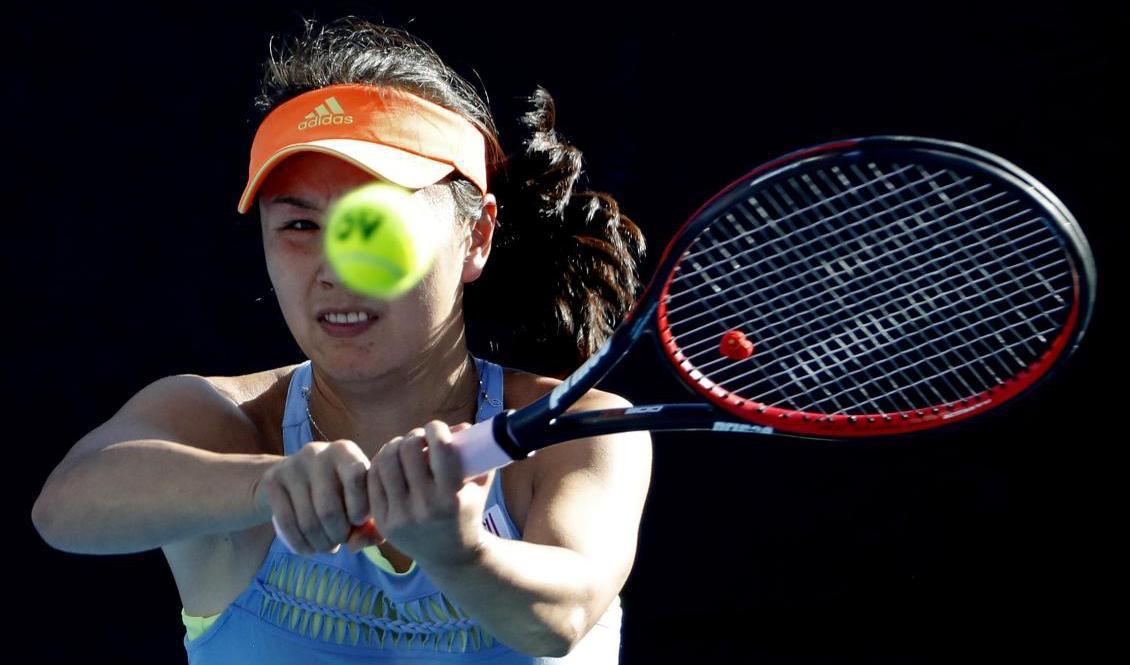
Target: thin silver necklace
[314,423]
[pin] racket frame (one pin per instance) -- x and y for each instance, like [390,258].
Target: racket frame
[521,433]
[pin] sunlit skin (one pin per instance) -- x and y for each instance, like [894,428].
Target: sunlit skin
[412,365]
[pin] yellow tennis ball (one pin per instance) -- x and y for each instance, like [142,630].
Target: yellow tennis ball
[378,241]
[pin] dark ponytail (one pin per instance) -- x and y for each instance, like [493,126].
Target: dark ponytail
[564,269]
[563,266]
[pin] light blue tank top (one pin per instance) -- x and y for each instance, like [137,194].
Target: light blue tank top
[344,608]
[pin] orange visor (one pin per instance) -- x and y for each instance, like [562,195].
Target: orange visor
[390,133]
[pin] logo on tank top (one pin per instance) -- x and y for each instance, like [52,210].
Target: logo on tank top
[495,522]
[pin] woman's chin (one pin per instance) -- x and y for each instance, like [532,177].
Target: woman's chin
[351,362]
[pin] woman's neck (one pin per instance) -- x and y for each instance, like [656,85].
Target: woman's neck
[370,413]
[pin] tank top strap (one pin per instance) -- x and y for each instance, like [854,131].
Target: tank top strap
[296,421]
[496,518]
[490,399]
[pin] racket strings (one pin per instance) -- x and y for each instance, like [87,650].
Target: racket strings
[1010,304]
[927,358]
[909,301]
[870,369]
[900,388]
[795,314]
[998,285]
[881,292]
[1013,278]
[936,373]
[767,307]
[834,253]
[824,385]
[849,355]
[774,306]
[777,224]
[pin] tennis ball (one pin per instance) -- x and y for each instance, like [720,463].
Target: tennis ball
[377,240]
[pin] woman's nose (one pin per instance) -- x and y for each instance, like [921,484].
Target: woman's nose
[326,273]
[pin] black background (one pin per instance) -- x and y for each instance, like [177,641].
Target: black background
[127,138]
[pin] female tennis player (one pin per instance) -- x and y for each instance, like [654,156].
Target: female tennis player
[351,447]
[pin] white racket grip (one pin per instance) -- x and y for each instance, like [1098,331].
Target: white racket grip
[279,533]
[478,449]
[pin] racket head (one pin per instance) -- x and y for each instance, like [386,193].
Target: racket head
[872,287]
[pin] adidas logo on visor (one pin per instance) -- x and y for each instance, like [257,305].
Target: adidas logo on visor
[328,112]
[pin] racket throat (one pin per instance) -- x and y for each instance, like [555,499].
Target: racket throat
[500,428]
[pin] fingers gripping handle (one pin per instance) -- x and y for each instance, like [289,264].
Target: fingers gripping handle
[367,530]
[478,448]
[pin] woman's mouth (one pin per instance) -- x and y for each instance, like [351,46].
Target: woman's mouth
[342,326]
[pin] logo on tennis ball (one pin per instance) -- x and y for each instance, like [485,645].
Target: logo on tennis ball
[377,242]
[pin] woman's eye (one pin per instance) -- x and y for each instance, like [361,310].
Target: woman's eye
[293,225]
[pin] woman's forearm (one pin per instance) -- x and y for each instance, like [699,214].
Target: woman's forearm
[531,597]
[139,495]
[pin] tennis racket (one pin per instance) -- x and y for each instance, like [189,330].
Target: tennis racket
[871,287]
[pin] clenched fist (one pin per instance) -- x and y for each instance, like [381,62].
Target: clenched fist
[318,496]
[411,492]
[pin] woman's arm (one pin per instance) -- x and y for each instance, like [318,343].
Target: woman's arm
[546,592]
[177,462]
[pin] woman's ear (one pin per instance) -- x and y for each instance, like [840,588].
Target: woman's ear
[482,234]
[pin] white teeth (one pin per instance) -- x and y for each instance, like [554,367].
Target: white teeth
[352,317]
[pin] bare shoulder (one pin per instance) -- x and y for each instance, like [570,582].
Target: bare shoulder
[526,388]
[247,388]
[261,396]
[523,388]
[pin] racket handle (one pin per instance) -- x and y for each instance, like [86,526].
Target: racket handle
[478,449]
[279,534]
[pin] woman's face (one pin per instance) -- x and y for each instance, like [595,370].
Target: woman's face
[292,205]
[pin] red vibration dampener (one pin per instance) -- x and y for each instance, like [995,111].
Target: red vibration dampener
[735,346]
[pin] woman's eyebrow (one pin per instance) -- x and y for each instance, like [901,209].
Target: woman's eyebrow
[295,201]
